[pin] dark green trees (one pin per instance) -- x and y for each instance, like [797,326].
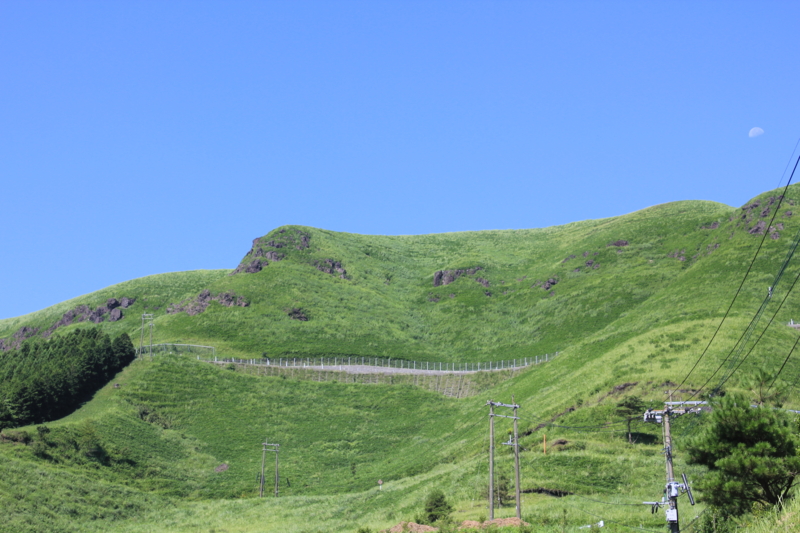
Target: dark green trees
[631,407]
[436,507]
[751,454]
[47,379]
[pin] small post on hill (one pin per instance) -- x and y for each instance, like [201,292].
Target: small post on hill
[268,447]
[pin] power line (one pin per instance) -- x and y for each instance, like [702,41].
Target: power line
[738,348]
[784,364]
[741,285]
[611,521]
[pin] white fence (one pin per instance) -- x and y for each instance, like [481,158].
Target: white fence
[335,363]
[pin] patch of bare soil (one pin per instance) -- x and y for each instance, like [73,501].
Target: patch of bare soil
[499,522]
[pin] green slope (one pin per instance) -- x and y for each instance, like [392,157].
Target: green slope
[642,317]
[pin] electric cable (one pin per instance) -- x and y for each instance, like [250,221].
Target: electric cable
[611,521]
[751,350]
[784,364]
[745,337]
[606,503]
[741,285]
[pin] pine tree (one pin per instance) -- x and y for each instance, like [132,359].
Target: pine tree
[751,455]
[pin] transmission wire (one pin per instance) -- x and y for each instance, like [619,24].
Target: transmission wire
[747,273]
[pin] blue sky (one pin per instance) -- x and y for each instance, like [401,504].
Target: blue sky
[146,137]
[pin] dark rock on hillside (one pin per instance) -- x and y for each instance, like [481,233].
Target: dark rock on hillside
[713,225]
[618,243]
[97,315]
[568,258]
[787,214]
[297,314]
[252,263]
[549,283]
[758,228]
[22,334]
[80,313]
[197,305]
[331,266]
[484,282]
[446,277]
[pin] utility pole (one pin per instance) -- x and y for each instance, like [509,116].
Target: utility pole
[672,489]
[514,443]
[516,461]
[267,447]
[491,459]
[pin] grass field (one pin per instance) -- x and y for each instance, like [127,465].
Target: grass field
[176,446]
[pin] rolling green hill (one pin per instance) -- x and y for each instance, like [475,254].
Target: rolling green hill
[629,302]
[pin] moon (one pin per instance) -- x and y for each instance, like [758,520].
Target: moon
[755,132]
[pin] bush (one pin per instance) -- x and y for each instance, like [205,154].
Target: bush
[436,507]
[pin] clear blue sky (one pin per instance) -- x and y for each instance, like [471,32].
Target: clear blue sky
[146,137]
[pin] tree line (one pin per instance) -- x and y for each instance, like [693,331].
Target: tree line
[44,380]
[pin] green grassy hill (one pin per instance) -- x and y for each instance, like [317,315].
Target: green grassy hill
[629,302]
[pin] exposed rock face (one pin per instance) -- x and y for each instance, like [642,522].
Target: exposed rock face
[331,266]
[80,313]
[758,228]
[713,225]
[446,277]
[484,282]
[96,316]
[252,263]
[197,305]
[297,314]
[549,283]
[22,334]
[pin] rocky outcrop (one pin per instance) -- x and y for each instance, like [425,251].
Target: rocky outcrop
[618,243]
[331,266]
[260,254]
[195,306]
[549,283]
[446,277]
[758,228]
[297,314]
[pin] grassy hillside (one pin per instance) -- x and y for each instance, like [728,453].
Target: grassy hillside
[636,299]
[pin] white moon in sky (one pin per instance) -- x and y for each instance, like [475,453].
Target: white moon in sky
[755,132]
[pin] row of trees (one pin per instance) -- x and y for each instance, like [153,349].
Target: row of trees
[44,380]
